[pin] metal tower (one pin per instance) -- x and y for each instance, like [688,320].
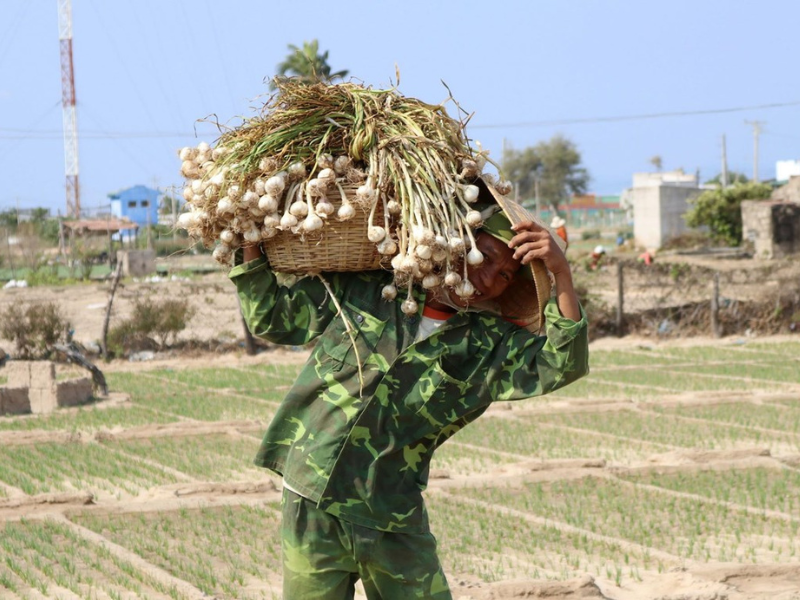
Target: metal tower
[68,108]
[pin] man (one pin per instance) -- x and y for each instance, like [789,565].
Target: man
[354,436]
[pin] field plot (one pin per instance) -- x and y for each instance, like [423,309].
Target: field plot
[671,472]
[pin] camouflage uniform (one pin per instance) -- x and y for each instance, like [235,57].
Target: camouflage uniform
[359,445]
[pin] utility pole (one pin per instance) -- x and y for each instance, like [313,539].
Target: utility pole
[756,132]
[724,176]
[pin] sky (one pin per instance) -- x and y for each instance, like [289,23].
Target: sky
[625,80]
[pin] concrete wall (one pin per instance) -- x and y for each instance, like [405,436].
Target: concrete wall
[773,228]
[658,212]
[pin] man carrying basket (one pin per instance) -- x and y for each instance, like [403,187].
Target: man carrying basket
[354,437]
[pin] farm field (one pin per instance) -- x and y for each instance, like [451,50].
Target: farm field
[671,472]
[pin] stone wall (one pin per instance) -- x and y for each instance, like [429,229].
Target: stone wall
[773,228]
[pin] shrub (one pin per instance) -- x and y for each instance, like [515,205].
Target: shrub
[153,323]
[720,210]
[34,328]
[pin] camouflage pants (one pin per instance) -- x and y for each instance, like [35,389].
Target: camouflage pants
[324,557]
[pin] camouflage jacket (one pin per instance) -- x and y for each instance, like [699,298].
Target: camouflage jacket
[360,445]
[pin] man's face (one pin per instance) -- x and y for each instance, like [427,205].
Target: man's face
[494,274]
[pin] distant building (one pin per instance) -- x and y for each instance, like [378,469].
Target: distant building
[138,204]
[658,202]
[786,169]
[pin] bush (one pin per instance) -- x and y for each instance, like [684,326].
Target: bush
[721,210]
[153,323]
[34,328]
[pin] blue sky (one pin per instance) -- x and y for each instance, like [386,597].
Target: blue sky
[147,70]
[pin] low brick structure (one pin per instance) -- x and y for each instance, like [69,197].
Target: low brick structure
[14,401]
[32,388]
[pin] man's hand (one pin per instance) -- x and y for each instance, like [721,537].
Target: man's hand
[533,241]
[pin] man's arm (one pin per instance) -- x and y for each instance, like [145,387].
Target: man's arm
[534,241]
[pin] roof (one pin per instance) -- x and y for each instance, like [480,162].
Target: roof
[99,226]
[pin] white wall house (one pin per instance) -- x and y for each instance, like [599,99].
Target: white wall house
[658,202]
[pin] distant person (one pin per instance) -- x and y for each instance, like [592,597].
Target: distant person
[597,256]
[559,225]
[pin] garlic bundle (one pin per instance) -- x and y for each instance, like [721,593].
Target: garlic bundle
[289,172]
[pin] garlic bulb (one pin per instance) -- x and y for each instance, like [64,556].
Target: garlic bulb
[299,209]
[224,206]
[250,198]
[288,221]
[430,281]
[187,153]
[274,186]
[452,278]
[471,193]
[389,292]
[234,192]
[341,164]
[268,203]
[465,289]
[325,161]
[252,235]
[365,192]
[456,245]
[424,252]
[312,223]
[297,170]
[474,257]
[324,208]
[222,253]
[226,235]
[345,212]
[328,176]
[375,233]
[409,306]
[387,246]
[504,187]
[474,218]
[272,221]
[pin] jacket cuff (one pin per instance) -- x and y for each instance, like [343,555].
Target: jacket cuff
[253,266]
[561,330]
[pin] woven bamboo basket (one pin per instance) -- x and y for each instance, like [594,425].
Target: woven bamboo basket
[338,246]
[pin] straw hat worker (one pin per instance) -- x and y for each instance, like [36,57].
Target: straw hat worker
[354,437]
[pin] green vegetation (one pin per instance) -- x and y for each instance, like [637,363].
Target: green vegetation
[720,210]
[495,487]
[226,552]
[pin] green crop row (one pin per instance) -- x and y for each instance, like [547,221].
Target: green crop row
[478,541]
[671,430]
[51,467]
[42,559]
[226,552]
[208,457]
[683,527]
[760,488]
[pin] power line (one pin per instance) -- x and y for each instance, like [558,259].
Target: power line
[686,113]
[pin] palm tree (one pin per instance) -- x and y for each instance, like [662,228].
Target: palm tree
[307,65]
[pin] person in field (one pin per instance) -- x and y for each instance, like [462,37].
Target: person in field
[354,436]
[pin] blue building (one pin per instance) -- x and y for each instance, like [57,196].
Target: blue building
[138,203]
